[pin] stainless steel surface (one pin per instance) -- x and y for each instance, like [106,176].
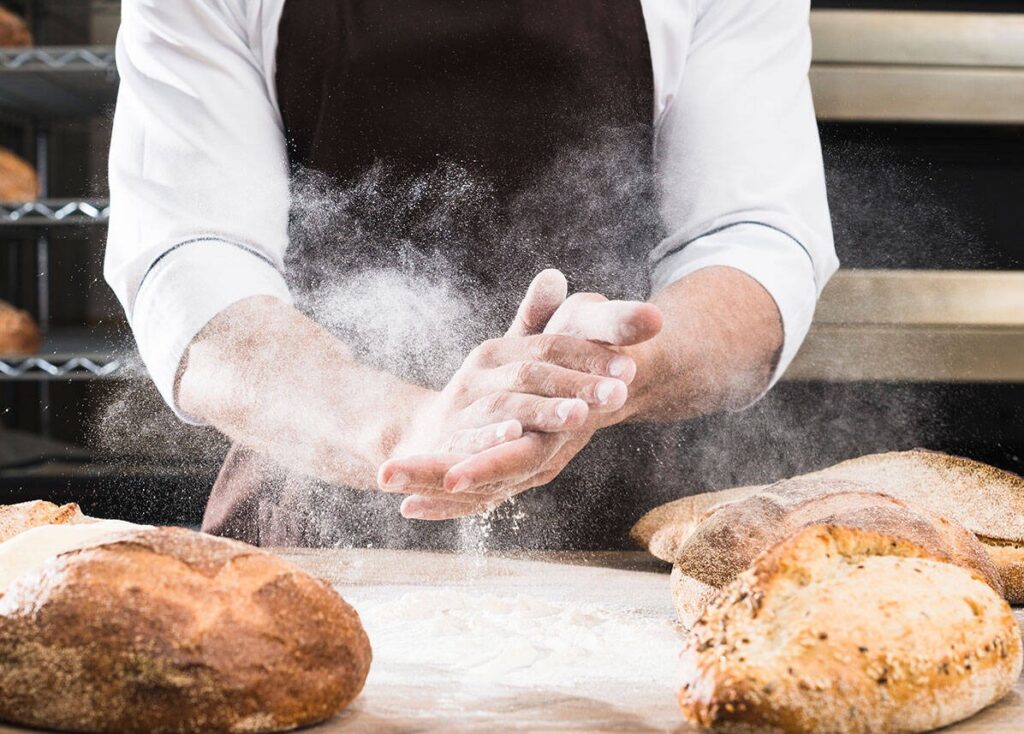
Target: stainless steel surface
[921,326]
[881,65]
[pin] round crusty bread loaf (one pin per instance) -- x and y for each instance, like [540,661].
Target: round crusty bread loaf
[729,537]
[18,332]
[166,630]
[18,179]
[14,32]
[844,631]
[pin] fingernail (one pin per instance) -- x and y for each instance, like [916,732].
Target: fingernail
[463,485]
[502,431]
[618,366]
[565,409]
[398,479]
[605,390]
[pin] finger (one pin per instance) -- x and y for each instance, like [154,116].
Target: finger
[411,474]
[592,317]
[498,469]
[475,440]
[565,351]
[534,413]
[551,381]
[546,293]
[424,475]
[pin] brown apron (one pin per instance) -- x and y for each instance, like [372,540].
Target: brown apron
[443,152]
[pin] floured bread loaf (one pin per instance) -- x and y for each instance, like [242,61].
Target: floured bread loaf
[844,631]
[18,518]
[14,33]
[18,332]
[987,501]
[732,535]
[663,530]
[18,179]
[106,627]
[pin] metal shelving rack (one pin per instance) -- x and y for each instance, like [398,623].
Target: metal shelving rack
[53,212]
[39,85]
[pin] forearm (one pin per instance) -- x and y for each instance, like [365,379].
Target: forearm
[270,378]
[717,350]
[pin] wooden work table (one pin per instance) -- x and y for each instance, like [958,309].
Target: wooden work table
[418,702]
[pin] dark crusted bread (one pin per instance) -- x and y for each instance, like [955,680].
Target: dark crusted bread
[166,630]
[731,536]
[846,631]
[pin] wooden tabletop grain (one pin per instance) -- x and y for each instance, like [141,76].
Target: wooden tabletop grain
[632,582]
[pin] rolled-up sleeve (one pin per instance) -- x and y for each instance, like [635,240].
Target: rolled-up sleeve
[740,164]
[198,176]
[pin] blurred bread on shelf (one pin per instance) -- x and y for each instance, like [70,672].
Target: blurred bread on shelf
[14,32]
[19,334]
[18,179]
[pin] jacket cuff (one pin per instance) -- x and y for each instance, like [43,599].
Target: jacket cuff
[188,286]
[771,257]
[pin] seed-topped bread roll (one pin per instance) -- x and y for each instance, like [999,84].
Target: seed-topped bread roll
[112,628]
[732,535]
[845,631]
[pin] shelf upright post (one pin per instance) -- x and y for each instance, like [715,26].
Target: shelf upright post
[43,267]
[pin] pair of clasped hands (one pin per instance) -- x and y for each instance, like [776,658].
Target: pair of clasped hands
[520,406]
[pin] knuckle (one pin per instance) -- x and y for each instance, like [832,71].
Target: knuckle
[544,347]
[521,375]
[483,353]
[493,403]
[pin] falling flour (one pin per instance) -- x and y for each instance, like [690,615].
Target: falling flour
[518,641]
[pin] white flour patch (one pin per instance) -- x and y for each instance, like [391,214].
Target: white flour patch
[518,640]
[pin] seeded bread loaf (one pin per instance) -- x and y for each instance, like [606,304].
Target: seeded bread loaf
[732,535]
[987,501]
[846,631]
[166,630]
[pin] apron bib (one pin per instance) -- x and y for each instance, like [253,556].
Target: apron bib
[443,153]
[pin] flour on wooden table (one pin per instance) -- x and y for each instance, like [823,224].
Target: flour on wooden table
[515,640]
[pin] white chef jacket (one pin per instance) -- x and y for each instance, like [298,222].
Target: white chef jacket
[199,172]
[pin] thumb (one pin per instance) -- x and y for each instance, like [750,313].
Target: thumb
[546,293]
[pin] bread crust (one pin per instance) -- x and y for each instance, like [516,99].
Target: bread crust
[732,535]
[166,630]
[18,332]
[987,501]
[18,179]
[14,32]
[15,519]
[848,631]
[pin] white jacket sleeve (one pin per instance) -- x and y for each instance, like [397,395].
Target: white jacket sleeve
[198,175]
[740,162]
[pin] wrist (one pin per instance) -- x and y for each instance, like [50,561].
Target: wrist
[398,425]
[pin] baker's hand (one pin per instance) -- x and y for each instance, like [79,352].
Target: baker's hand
[536,383]
[500,461]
